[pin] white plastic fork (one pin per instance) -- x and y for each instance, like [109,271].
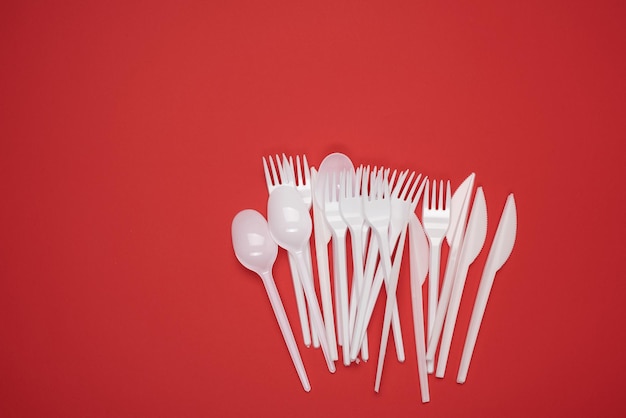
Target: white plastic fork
[436,219]
[377,210]
[373,278]
[300,177]
[322,238]
[339,230]
[459,208]
[273,180]
[402,206]
[351,208]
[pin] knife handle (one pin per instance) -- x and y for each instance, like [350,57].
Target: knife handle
[484,289]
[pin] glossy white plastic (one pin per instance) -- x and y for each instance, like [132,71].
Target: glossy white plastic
[498,254]
[291,226]
[472,244]
[256,250]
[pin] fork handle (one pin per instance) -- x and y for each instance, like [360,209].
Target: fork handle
[368,309]
[391,304]
[323,272]
[442,305]
[356,235]
[341,278]
[433,284]
[316,315]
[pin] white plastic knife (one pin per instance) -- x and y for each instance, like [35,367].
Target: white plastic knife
[472,244]
[498,254]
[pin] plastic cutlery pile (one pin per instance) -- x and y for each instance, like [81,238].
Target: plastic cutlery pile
[378,209]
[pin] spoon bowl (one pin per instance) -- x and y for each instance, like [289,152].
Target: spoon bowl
[289,219]
[252,242]
[334,163]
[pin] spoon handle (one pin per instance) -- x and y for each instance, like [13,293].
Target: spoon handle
[368,277]
[300,302]
[285,328]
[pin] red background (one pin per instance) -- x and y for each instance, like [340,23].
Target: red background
[132,133]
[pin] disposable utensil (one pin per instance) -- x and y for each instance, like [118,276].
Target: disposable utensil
[436,218]
[256,251]
[472,244]
[404,204]
[373,278]
[418,250]
[351,209]
[498,254]
[332,163]
[377,210]
[339,230]
[300,176]
[322,238]
[454,236]
[291,226]
[273,180]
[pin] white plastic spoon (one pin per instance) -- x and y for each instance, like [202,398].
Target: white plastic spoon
[291,226]
[256,251]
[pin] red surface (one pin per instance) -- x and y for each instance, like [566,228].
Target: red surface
[132,133]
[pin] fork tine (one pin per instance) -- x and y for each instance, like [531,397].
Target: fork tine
[399,184]
[411,195]
[273,168]
[426,202]
[268,178]
[385,184]
[373,184]
[357,181]
[280,168]
[342,185]
[393,177]
[433,197]
[289,169]
[298,170]
[327,190]
[307,171]
[365,182]
[448,196]
[405,188]
[440,203]
[418,194]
